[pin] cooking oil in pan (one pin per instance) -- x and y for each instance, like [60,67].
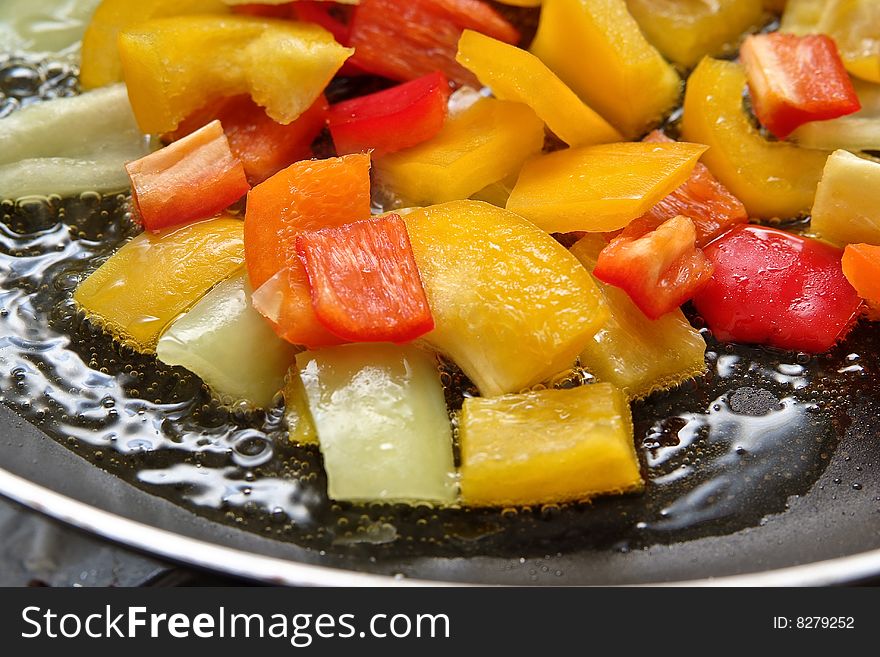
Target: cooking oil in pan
[719,453]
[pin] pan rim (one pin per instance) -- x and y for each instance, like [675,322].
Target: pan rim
[272,570]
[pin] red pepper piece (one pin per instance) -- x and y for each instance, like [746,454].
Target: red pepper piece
[406,39]
[796,79]
[286,301]
[659,270]
[263,146]
[778,289]
[702,199]
[192,179]
[365,283]
[391,120]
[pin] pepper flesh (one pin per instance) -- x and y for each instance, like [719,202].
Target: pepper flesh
[687,30]
[772,179]
[381,421]
[637,354]
[193,178]
[600,188]
[172,69]
[99,60]
[547,447]
[145,285]
[481,145]
[511,306]
[847,205]
[517,75]
[597,49]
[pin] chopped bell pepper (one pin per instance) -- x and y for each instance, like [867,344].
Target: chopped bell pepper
[229,345]
[285,300]
[365,285]
[193,178]
[406,39]
[660,270]
[517,75]
[382,423]
[547,447]
[483,144]
[263,145]
[99,61]
[637,354]
[597,49]
[687,30]
[391,120]
[794,80]
[600,188]
[151,280]
[861,266]
[305,196]
[772,179]
[778,289]
[171,66]
[511,306]
[847,206]
[300,426]
[701,198]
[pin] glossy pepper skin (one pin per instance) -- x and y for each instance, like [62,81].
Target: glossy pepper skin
[193,178]
[794,80]
[597,49]
[778,289]
[406,39]
[391,120]
[171,67]
[772,179]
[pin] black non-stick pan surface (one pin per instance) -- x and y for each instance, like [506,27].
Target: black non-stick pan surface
[769,461]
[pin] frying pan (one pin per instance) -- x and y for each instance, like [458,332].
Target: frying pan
[764,471]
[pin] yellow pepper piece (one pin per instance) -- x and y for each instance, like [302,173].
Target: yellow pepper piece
[483,144]
[100,64]
[517,75]
[174,66]
[300,426]
[597,49]
[151,280]
[546,447]
[512,307]
[600,188]
[686,30]
[637,354]
[847,207]
[772,179]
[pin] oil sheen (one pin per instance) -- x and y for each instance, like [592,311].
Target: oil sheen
[720,453]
